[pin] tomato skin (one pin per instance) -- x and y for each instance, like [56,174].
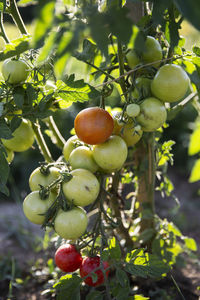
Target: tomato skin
[69,146]
[10,155]
[93,125]
[23,138]
[83,188]
[143,85]
[71,224]
[152,51]
[67,258]
[34,207]
[170,83]
[37,178]
[130,135]
[152,115]
[117,123]
[88,265]
[111,155]
[132,59]
[82,158]
[15,71]
[133,110]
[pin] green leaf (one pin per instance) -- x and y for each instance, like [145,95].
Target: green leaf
[196,50]
[4,170]
[194,145]
[15,47]
[159,7]
[15,122]
[122,277]
[114,249]
[190,9]
[88,52]
[146,235]
[190,244]
[1,109]
[73,91]
[24,3]
[18,96]
[5,132]
[94,295]
[195,174]
[47,49]
[68,287]
[140,297]
[46,12]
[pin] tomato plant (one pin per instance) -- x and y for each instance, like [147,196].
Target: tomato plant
[82,158]
[43,177]
[93,125]
[67,258]
[69,146]
[131,134]
[88,266]
[15,71]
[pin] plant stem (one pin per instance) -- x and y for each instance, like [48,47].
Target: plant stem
[17,17]
[60,141]
[121,229]
[121,69]
[41,142]
[146,182]
[3,33]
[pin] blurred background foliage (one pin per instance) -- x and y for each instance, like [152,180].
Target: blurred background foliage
[180,128]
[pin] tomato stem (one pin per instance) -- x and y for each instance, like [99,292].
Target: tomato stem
[41,142]
[3,33]
[60,141]
[121,69]
[17,17]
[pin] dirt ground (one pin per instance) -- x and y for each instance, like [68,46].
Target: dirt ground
[18,238]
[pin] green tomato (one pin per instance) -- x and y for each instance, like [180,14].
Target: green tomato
[152,115]
[111,155]
[170,83]
[82,158]
[15,71]
[132,58]
[142,87]
[34,207]
[37,178]
[69,146]
[82,189]
[152,51]
[23,138]
[130,134]
[71,224]
[133,110]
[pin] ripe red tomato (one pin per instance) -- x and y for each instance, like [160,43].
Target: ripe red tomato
[88,265]
[93,125]
[67,258]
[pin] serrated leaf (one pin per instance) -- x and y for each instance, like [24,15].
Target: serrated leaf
[196,50]
[190,244]
[88,52]
[73,91]
[195,174]
[15,47]
[194,146]
[31,93]
[5,132]
[114,249]
[122,277]
[46,12]
[68,287]
[18,96]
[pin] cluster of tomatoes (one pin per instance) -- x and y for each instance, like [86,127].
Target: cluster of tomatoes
[69,259]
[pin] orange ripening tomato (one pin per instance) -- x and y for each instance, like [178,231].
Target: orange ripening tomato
[93,125]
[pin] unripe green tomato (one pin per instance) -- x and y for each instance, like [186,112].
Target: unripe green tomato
[71,224]
[10,155]
[82,158]
[69,146]
[131,134]
[152,51]
[111,155]
[82,189]
[142,87]
[152,115]
[132,58]
[23,138]
[34,207]
[133,110]
[37,178]
[170,83]
[15,71]
[116,115]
